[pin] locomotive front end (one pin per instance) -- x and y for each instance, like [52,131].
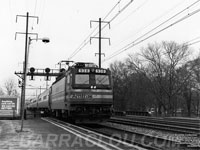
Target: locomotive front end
[91,95]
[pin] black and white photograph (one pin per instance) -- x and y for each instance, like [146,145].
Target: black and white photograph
[100,75]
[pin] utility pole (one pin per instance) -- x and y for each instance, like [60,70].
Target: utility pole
[24,64]
[100,53]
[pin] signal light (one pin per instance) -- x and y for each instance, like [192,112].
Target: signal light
[47,70]
[46,40]
[32,70]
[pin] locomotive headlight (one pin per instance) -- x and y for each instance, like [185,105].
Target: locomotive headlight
[87,70]
[97,71]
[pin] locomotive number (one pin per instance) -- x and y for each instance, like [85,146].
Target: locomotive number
[81,96]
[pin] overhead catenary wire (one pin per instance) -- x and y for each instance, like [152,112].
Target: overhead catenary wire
[35,8]
[150,22]
[167,20]
[193,43]
[193,39]
[133,12]
[115,53]
[87,40]
[39,8]
[119,12]
[112,9]
[130,45]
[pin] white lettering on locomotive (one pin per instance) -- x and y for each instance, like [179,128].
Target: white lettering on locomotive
[81,96]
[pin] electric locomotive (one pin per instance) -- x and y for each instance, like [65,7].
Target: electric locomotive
[83,93]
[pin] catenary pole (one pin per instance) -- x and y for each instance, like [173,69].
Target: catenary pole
[100,38]
[99,42]
[24,71]
[25,62]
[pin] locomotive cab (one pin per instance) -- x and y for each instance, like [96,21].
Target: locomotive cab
[89,76]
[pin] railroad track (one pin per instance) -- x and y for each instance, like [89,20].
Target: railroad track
[121,133]
[182,137]
[160,124]
[96,138]
[172,120]
[195,121]
[143,138]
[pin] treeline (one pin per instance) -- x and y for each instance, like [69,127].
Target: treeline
[162,76]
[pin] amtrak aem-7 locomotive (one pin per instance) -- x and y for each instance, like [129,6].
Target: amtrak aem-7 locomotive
[83,93]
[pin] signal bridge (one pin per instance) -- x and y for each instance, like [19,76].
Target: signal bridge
[41,72]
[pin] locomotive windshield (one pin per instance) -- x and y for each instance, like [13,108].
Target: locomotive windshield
[102,79]
[82,79]
[87,80]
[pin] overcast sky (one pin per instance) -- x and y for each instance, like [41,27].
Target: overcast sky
[67,24]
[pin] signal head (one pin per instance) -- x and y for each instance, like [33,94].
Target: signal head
[47,70]
[46,40]
[32,69]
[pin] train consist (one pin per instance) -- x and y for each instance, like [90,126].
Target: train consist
[82,93]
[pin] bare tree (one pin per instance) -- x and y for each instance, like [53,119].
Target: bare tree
[10,87]
[196,77]
[191,88]
[130,87]
[139,85]
[160,63]
[120,75]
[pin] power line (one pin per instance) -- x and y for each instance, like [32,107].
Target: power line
[150,23]
[141,29]
[34,13]
[132,12]
[112,9]
[167,20]
[40,11]
[121,10]
[193,39]
[118,14]
[35,7]
[127,46]
[193,43]
[87,40]
[130,45]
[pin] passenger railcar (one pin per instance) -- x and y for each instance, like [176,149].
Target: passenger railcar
[83,93]
[33,104]
[43,102]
